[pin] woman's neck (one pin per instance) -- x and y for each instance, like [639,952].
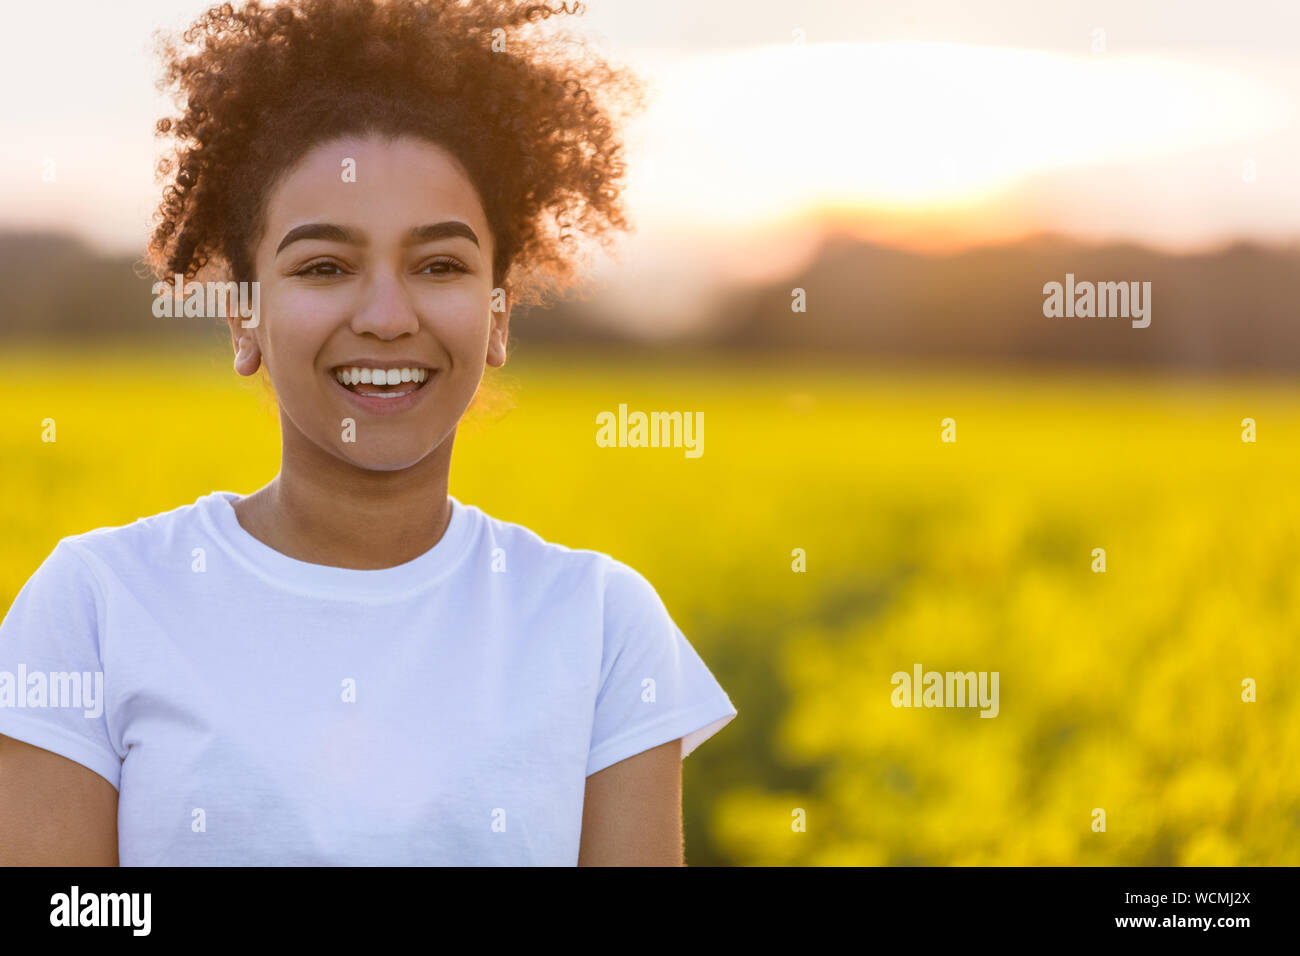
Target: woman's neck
[323,510]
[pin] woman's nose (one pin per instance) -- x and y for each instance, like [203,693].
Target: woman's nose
[385,309]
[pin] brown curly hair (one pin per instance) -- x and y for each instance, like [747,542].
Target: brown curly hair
[536,127]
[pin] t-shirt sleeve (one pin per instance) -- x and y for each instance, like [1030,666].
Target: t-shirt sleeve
[654,687]
[51,675]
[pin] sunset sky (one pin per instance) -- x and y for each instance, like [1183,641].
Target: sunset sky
[931,124]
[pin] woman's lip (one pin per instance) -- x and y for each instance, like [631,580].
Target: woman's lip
[376,363]
[386,406]
[379,363]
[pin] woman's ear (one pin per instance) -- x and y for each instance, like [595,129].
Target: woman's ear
[248,354]
[499,335]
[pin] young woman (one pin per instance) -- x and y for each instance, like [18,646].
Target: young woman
[350,666]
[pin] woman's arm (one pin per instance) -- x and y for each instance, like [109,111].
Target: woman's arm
[632,811]
[53,811]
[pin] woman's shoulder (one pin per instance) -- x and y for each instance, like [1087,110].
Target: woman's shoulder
[145,536]
[509,539]
[84,566]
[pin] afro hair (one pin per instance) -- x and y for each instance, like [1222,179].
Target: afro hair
[534,120]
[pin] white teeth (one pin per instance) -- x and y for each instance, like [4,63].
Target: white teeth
[354,375]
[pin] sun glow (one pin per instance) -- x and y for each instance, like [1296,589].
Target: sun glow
[916,128]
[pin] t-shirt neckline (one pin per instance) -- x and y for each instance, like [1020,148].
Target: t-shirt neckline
[320,580]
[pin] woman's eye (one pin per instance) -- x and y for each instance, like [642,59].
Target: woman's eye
[447,265]
[326,269]
[314,269]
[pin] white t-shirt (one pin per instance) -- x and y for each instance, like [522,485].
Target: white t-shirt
[255,709]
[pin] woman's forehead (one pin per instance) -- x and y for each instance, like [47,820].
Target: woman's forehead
[376,184]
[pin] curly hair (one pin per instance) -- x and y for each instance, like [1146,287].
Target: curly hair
[535,127]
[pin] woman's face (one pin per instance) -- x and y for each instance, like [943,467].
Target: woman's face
[376,256]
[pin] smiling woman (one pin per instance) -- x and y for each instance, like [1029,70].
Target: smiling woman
[349,665]
[382,272]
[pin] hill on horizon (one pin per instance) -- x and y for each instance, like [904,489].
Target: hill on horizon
[1230,309]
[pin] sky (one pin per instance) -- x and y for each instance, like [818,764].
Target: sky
[929,124]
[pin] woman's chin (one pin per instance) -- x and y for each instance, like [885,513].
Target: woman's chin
[373,459]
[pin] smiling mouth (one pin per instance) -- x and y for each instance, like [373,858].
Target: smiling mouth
[382,383]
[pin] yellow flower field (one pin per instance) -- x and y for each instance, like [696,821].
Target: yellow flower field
[1119,691]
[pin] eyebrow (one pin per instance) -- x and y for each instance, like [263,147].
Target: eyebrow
[335,233]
